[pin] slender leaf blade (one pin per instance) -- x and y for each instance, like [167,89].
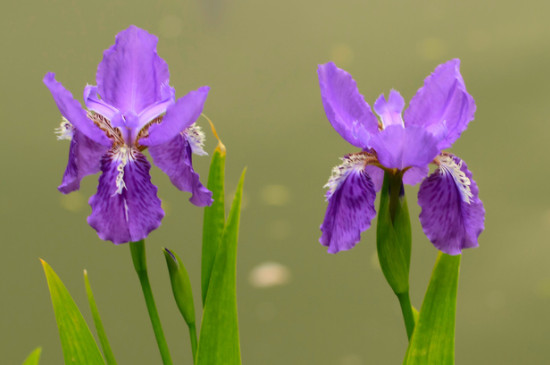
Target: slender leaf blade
[214,215]
[77,342]
[103,340]
[219,336]
[434,334]
[34,357]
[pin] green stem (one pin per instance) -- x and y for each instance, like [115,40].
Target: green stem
[193,337]
[406,309]
[137,250]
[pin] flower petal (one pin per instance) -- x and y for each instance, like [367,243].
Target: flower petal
[131,74]
[73,112]
[452,214]
[126,207]
[174,158]
[84,158]
[178,117]
[399,147]
[97,105]
[414,175]
[345,107]
[390,111]
[350,206]
[442,105]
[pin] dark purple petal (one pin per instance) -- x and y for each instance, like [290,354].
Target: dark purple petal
[345,107]
[350,207]
[452,214]
[390,111]
[442,106]
[131,74]
[178,117]
[126,207]
[73,112]
[399,147]
[84,158]
[174,158]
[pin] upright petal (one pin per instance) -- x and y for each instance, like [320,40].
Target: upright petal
[84,159]
[178,117]
[399,147]
[452,214]
[345,107]
[350,205]
[174,158]
[131,74]
[73,112]
[390,111]
[126,207]
[442,105]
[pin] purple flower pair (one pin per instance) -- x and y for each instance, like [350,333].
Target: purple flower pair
[132,108]
[452,214]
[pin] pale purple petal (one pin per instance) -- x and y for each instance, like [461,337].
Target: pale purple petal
[452,214]
[131,74]
[97,105]
[350,208]
[178,117]
[442,106]
[414,175]
[345,107]
[155,110]
[390,111]
[126,207]
[84,158]
[376,174]
[73,112]
[174,158]
[399,147]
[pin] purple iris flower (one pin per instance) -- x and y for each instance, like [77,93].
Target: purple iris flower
[132,108]
[452,215]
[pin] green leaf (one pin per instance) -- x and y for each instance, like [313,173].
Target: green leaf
[77,342]
[433,339]
[34,357]
[214,215]
[393,234]
[107,352]
[219,336]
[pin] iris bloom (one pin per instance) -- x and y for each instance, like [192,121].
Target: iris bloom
[452,214]
[132,108]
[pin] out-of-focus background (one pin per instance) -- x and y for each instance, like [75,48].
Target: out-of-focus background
[260,60]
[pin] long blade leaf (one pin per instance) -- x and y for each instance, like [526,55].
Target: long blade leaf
[107,352]
[77,342]
[219,336]
[433,339]
[34,357]
[214,215]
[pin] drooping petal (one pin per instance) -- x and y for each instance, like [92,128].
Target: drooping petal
[390,111]
[174,158]
[452,214]
[126,207]
[345,107]
[442,105]
[131,74]
[178,117]
[73,112]
[399,147]
[350,208]
[84,159]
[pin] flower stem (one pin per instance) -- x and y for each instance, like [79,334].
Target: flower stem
[406,309]
[193,337]
[137,250]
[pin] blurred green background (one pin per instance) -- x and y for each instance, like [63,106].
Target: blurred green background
[260,60]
